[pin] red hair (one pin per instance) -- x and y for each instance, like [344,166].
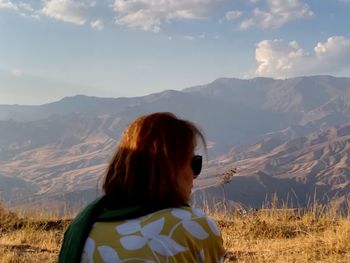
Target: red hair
[148,158]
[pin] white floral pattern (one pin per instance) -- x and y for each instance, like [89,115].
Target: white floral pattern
[213,227]
[108,254]
[201,257]
[88,251]
[131,226]
[150,235]
[191,226]
[168,235]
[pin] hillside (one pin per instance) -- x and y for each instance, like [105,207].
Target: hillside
[56,152]
[300,169]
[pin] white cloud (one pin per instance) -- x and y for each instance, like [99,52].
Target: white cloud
[97,24]
[8,5]
[278,13]
[277,58]
[23,9]
[234,14]
[71,11]
[149,15]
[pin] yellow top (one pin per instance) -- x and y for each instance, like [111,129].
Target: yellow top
[182,234]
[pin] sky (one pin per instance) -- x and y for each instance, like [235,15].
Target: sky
[50,49]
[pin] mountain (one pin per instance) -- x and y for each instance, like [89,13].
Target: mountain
[76,104]
[301,169]
[58,150]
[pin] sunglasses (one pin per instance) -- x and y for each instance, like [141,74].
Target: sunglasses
[196,165]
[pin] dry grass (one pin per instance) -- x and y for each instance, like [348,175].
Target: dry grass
[26,239]
[282,237]
[271,235]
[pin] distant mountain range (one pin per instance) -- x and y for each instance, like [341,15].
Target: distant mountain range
[276,132]
[299,170]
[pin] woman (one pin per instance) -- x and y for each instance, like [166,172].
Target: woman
[144,215]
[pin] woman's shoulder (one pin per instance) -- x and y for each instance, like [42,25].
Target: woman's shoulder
[192,219]
[182,212]
[183,233]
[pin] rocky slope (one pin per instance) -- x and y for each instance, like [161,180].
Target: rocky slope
[299,170]
[59,150]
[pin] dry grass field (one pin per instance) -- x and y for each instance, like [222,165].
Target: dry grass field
[267,235]
[29,238]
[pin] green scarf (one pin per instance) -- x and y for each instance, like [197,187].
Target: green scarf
[79,229]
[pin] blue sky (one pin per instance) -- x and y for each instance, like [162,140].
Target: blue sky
[55,48]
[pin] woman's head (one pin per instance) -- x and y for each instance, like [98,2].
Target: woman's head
[152,162]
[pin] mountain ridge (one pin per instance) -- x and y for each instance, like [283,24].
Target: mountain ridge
[65,147]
